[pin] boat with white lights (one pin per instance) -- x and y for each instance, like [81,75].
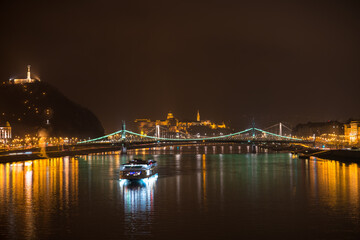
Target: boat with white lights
[137,169]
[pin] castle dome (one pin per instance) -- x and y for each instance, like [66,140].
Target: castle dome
[170,116]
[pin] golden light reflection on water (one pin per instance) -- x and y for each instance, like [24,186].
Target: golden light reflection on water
[26,188]
[201,180]
[34,193]
[204,178]
[335,183]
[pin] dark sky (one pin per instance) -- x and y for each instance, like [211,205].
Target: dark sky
[290,61]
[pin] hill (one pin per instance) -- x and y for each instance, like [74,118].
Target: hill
[34,106]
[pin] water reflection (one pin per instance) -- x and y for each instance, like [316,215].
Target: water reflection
[29,187]
[204,180]
[262,192]
[138,200]
[335,184]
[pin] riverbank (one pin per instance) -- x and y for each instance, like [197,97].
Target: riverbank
[62,151]
[342,155]
[74,150]
[27,155]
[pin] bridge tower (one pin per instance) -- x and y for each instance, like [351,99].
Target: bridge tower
[157,131]
[253,146]
[123,137]
[123,133]
[253,128]
[280,129]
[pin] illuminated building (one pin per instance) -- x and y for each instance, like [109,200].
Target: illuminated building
[172,124]
[28,79]
[5,132]
[352,132]
[318,129]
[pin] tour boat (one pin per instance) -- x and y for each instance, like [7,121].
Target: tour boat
[137,169]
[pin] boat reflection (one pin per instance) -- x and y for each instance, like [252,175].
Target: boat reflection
[138,202]
[138,195]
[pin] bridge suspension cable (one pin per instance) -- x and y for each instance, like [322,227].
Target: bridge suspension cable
[189,139]
[253,129]
[277,124]
[286,127]
[277,135]
[103,137]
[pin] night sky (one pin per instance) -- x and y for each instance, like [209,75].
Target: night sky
[290,61]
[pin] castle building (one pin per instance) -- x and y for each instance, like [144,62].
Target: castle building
[5,132]
[352,132]
[172,124]
[28,79]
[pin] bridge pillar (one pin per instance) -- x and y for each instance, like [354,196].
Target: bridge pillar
[123,148]
[253,148]
[123,138]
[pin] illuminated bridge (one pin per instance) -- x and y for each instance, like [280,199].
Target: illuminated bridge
[158,137]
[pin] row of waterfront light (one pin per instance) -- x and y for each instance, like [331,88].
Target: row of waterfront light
[29,141]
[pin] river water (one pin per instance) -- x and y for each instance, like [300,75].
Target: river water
[199,193]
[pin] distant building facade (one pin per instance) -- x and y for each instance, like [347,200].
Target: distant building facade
[172,124]
[5,132]
[28,79]
[318,128]
[352,132]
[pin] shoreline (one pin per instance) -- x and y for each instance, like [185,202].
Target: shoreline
[53,154]
[340,155]
[348,156]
